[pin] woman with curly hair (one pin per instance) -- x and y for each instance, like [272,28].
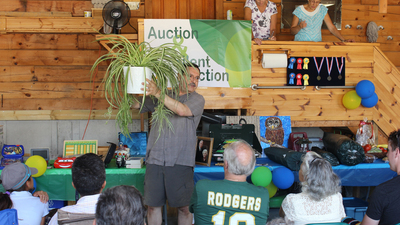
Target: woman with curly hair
[320,200]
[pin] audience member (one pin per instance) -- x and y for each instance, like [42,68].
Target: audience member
[279,221]
[120,205]
[385,200]
[17,180]
[263,14]
[231,200]
[320,200]
[89,179]
[307,22]
[5,201]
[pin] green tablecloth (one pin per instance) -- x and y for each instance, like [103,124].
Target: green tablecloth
[58,182]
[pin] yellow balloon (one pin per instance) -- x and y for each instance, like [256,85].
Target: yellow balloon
[272,189]
[39,163]
[351,100]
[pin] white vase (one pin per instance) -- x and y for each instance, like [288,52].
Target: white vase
[137,76]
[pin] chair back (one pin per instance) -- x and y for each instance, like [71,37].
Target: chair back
[8,217]
[338,223]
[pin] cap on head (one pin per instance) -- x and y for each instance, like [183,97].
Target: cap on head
[15,175]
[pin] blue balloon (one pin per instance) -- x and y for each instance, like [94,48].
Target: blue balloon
[370,102]
[282,177]
[365,89]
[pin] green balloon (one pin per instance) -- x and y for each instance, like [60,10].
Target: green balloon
[261,176]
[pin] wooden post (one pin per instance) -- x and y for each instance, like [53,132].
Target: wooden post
[141,122]
[382,6]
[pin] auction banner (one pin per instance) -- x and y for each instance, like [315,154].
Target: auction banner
[221,48]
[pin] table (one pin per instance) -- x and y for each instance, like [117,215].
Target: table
[58,182]
[363,174]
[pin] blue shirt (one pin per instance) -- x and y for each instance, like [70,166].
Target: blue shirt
[312,32]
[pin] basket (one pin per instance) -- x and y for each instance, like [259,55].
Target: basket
[379,155]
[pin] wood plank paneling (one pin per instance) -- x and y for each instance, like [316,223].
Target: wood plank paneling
[376,2]
[368,12]
[39,90]
[49,74]
[393,57]
[387,78]
[76,7]
[48,57]
[228,98]
[63,115]
[53,104]
[48,41]
[183,9]
[53,24]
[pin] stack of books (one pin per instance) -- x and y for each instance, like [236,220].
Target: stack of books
[134,162]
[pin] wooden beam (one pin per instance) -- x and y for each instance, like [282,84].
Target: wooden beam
[104,43]
[382,6]
[36,14]
[326,123]
[64,115]
[53,24]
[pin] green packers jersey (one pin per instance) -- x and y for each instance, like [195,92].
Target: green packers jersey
[224,202]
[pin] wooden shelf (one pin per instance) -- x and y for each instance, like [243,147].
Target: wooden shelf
[134,13]
[50,24]
[130,37]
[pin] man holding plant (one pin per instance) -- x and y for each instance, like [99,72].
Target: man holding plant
[170,156]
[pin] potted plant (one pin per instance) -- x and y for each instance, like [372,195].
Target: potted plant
[164,62]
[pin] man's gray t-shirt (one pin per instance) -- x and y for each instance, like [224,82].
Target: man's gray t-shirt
[175,146]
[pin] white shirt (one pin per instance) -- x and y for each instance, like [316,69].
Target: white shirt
[30,209]
[301,209]
[86,204]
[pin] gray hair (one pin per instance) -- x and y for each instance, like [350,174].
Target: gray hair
[120,205]
[319,179]
[280,221]
[236,165]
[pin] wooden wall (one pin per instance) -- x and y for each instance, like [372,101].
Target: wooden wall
[182,9]
[45,75]
[323,108]
[354,12]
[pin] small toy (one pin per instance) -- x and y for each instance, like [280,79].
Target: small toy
[13,150]
[11,154]
[63,163]
[121,155]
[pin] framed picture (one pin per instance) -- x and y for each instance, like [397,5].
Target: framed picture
[204,150]
[79,147]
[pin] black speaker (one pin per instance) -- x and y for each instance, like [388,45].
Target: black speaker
[110,153]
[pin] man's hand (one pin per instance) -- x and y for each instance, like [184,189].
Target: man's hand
[151,88]
[44,197]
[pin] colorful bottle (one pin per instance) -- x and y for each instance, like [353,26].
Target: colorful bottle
[229,15]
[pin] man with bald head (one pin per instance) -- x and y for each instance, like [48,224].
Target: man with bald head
[231,200]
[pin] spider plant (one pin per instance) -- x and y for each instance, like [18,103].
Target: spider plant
[164,61]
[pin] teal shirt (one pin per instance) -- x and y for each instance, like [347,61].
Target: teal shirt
[228,202]
[312,32]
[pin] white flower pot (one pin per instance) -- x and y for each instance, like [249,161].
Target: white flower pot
[136,76]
